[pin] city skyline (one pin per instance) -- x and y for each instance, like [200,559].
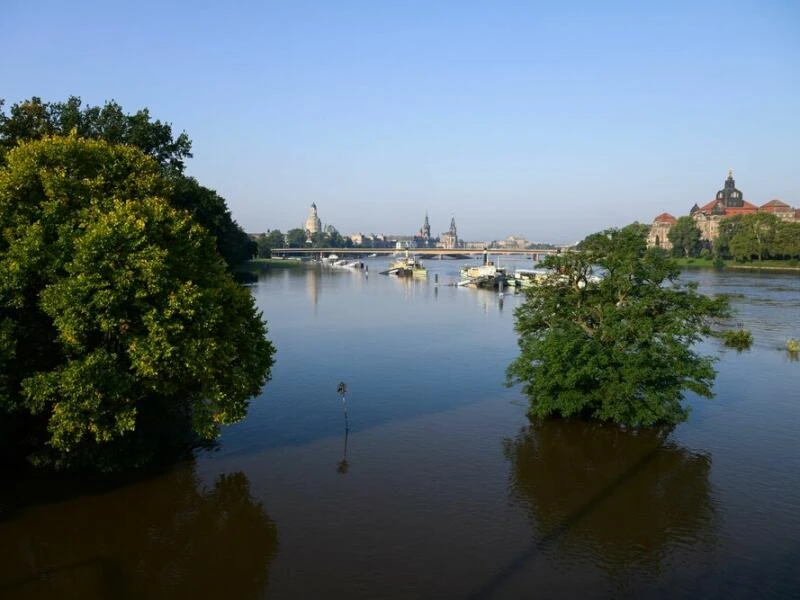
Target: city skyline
[546,120]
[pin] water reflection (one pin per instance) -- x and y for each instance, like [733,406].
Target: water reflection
[623,501]
[344,465]
[312,285]
[166,537]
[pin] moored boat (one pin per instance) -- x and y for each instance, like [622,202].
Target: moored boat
[487,276]
[408,266]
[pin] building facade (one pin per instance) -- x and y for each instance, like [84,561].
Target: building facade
[659,230]
[728,202]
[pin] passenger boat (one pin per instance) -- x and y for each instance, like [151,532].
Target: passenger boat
[487,276]
[530,277]
[533,277]
[408,266]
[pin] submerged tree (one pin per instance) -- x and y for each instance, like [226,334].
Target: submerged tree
[617,348]
[117,317]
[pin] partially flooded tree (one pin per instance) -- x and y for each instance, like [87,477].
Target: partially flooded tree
[117,317]
[617,348]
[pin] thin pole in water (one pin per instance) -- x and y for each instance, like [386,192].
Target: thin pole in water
[342,391]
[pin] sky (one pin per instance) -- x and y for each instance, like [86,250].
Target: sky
[547,120]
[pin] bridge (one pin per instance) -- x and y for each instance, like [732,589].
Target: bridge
[535,253]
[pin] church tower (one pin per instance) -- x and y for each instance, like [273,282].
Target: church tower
[313,223]
[425,232]
[450,238]
[729,195]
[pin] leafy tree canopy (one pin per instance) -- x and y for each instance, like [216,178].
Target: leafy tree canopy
[210,210]
[685,237]
[296,238]
[617,349]
[754,236]
[268,241]
[116,313]
[33,119]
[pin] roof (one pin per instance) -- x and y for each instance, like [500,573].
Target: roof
[775,204]
[665,218]
[745,209]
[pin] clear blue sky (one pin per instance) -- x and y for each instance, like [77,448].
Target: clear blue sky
[549,120]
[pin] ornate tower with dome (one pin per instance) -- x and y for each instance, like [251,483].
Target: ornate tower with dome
[313,223]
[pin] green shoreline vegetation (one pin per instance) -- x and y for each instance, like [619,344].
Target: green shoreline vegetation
[767,264]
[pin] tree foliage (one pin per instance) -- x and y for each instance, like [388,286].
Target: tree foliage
[296,238]
[757,236]
[269,241]
[754,236]
[685,237]
[117,313]
[33,119]
[210,210]
[617,349]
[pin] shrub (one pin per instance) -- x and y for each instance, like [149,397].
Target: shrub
[740,339]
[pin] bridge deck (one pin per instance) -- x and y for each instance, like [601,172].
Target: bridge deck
[418,251]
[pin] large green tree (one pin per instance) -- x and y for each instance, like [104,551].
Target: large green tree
[685,237]
[33,119]
[210,210]
[117,316]
[754,236]
[787,240]
[269,241]
[617,349]
[728,228]
[296,238]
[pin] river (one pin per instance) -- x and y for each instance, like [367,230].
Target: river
[427,481]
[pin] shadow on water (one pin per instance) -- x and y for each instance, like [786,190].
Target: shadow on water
[164,537]
[620,499]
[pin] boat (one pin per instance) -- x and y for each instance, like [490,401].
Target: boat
[532,277]
[353,264]
[486,276]
[408,266]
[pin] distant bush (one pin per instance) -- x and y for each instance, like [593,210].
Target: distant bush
[740,339]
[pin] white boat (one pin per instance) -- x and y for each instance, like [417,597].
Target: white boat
[488,276]
[530,277]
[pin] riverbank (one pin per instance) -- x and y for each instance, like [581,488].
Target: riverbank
[264,264]
[766,265]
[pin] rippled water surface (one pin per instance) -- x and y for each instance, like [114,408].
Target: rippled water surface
[439,487]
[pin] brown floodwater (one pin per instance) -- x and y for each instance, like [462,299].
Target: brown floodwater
[433,484]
